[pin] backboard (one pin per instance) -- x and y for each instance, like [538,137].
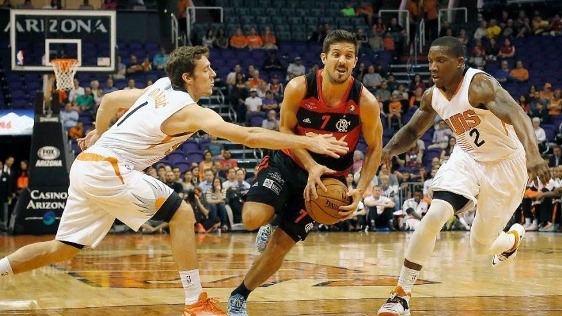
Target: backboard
[38,36]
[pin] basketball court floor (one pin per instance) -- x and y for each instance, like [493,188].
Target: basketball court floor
[329,274]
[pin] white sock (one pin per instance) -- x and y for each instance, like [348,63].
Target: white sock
[191,285]
[407,278]
[5,268]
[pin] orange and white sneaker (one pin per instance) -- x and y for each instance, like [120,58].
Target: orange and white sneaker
[203,307]
[518,231]
[397,304]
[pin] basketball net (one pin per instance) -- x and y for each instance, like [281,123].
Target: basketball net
[64,72]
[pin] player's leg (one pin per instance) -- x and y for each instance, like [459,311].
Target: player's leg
[457,176]
[37,255]
[256,214]
[497,201]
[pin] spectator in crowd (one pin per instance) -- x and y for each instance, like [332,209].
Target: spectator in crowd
[230,179]
[239,40]
[417,82]
[556,26]
[254,39]
[227,163]
[402,93]
[206,217]
[172,183]
[463,37]
[383,94]
[380,209]
[359,72]
[522,24]
[524,103]
[412,211]
[69,117]
[159,60]
[539,25]
[272,63]
[502,74]
[96,91]
[269,102]
[235,194]
[255,80]
[221,40]
[318,35]
[54,5]
[480,31]
[441,135]
[85,6]
[493,30]
[268,39]
[131,84]
[348,10]
[508,30]
[195,172]
[546,94]
[76,91]
[238,96]
[134,67]
[372,80]
[365,10]
[398,33]
[207,182]
[555,159]
[208,39]
[27,5]
[379,27]
[214,146]
[375,40]
[253,105]
[388,42]
[271,122]
[554,105]
[121,69]
[358,157]
[187,183]
[431,15]
[540,134]
[519,74]
[86,102]
[275,87]
[204,165]
[492,50]
[507,51]
[295,69]
[109,5]
[394,116]
[23,178]
[415,100]
[216,197]
[76,131]
[478,55]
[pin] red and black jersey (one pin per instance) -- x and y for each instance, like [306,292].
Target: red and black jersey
[315,116]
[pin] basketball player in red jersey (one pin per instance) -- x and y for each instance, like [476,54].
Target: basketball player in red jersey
[496,152]
[328,101]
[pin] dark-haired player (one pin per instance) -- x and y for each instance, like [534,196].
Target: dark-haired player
[496,152]
[327,101]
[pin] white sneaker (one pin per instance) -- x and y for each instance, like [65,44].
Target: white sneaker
[533,227]
[518,231]
[262,237]
[397,304]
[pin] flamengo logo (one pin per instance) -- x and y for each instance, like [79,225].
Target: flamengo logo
[68,25]
[48,153]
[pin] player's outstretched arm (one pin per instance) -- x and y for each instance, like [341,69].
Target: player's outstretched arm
[406,137]
[486,91]
[199,118]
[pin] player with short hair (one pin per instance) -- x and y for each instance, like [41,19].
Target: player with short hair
[107,182]
[487,167]
[326,101]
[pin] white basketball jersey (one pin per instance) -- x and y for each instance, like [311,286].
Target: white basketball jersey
[478,131]
[136,138]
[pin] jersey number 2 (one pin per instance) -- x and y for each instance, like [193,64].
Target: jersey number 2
[476,134]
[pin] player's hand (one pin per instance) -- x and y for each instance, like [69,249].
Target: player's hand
[327,144]
[314,181]
[90,139]
[346,211]
[538,168]
[386,157]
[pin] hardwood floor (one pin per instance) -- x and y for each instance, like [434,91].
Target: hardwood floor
[328,274]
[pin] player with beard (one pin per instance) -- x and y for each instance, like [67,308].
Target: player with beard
[327,101]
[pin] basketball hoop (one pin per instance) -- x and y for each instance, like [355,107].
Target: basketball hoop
[64,72]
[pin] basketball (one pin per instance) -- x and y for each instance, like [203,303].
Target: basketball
[325,208]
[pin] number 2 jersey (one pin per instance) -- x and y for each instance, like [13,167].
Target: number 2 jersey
[136,139]
[479,132]
[342,121]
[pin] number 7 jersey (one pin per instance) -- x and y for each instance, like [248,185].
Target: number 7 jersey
[479,132]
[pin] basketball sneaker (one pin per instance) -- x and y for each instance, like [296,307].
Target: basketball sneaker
[397,304]
[203,307]
[518,231]
[263,237]
[237,305]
